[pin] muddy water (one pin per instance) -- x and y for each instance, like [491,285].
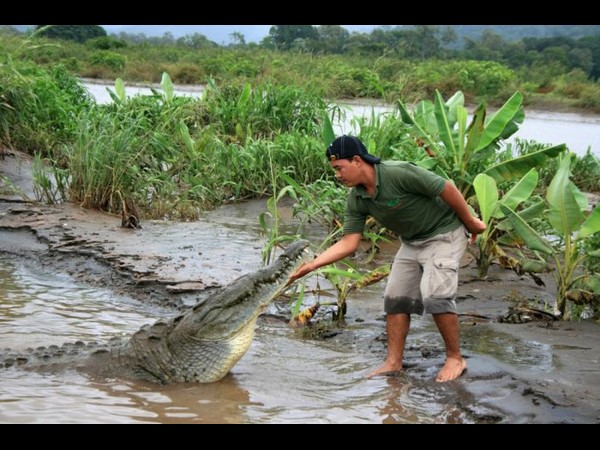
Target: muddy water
[284,378]
[39,308]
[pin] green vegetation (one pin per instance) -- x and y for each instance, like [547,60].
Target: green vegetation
[77,33]
[459,152]
[568,220]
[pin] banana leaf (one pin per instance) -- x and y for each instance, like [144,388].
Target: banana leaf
[120,89]
[454,103]
[591,224]
[461,119]
[475,130]
[244,96]
[167,86]
[518,167]
[187,139]
[407,118]
[487,196]
[425,118]
[564,214]
[510,112]
[520,192]
[444,126]
[535,266]
[580,197]
[528,214]
[533,240]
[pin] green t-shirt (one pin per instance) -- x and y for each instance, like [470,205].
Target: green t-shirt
[406,201]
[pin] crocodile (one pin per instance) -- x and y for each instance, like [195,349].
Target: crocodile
[201,345]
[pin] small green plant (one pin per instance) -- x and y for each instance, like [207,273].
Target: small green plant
[347,280]
[271,230]
[567,216]
[106,58]
[491,214]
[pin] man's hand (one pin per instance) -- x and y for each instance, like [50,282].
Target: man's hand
[475,226]
[302,270]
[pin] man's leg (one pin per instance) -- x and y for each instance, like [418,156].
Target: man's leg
[455,364]
[397,326]
[441,260]
[402,297]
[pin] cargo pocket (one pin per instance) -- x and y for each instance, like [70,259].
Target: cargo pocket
[443,279]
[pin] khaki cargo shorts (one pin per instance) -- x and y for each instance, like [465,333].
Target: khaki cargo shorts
[424,275]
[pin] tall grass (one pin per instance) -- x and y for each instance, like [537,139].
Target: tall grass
[174,157]
[38,106]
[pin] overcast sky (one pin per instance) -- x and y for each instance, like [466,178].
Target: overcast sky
[217,33]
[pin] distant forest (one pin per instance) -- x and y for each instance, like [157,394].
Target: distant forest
[572,46]
[517,32]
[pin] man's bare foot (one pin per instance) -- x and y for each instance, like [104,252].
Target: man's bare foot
[387,370]
[453,368]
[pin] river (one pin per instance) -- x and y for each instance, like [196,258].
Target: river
[578,131]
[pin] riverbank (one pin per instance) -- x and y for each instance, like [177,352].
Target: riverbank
[536,372]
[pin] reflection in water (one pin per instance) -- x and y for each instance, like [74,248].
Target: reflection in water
[221,402]
[67,397]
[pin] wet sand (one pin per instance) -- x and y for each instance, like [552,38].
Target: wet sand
[518,373]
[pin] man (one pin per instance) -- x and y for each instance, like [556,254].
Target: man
[433,220]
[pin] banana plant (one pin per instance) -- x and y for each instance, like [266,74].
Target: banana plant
[460,152]
[570,222]
[118,96]
[345,281]
[489,203]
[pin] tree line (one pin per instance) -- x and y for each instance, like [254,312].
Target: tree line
[577,48]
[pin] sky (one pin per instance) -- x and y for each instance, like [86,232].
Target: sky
[217,33]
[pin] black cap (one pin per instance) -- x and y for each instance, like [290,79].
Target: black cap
[345,147]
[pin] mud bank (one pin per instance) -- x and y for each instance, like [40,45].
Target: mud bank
[537,372]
